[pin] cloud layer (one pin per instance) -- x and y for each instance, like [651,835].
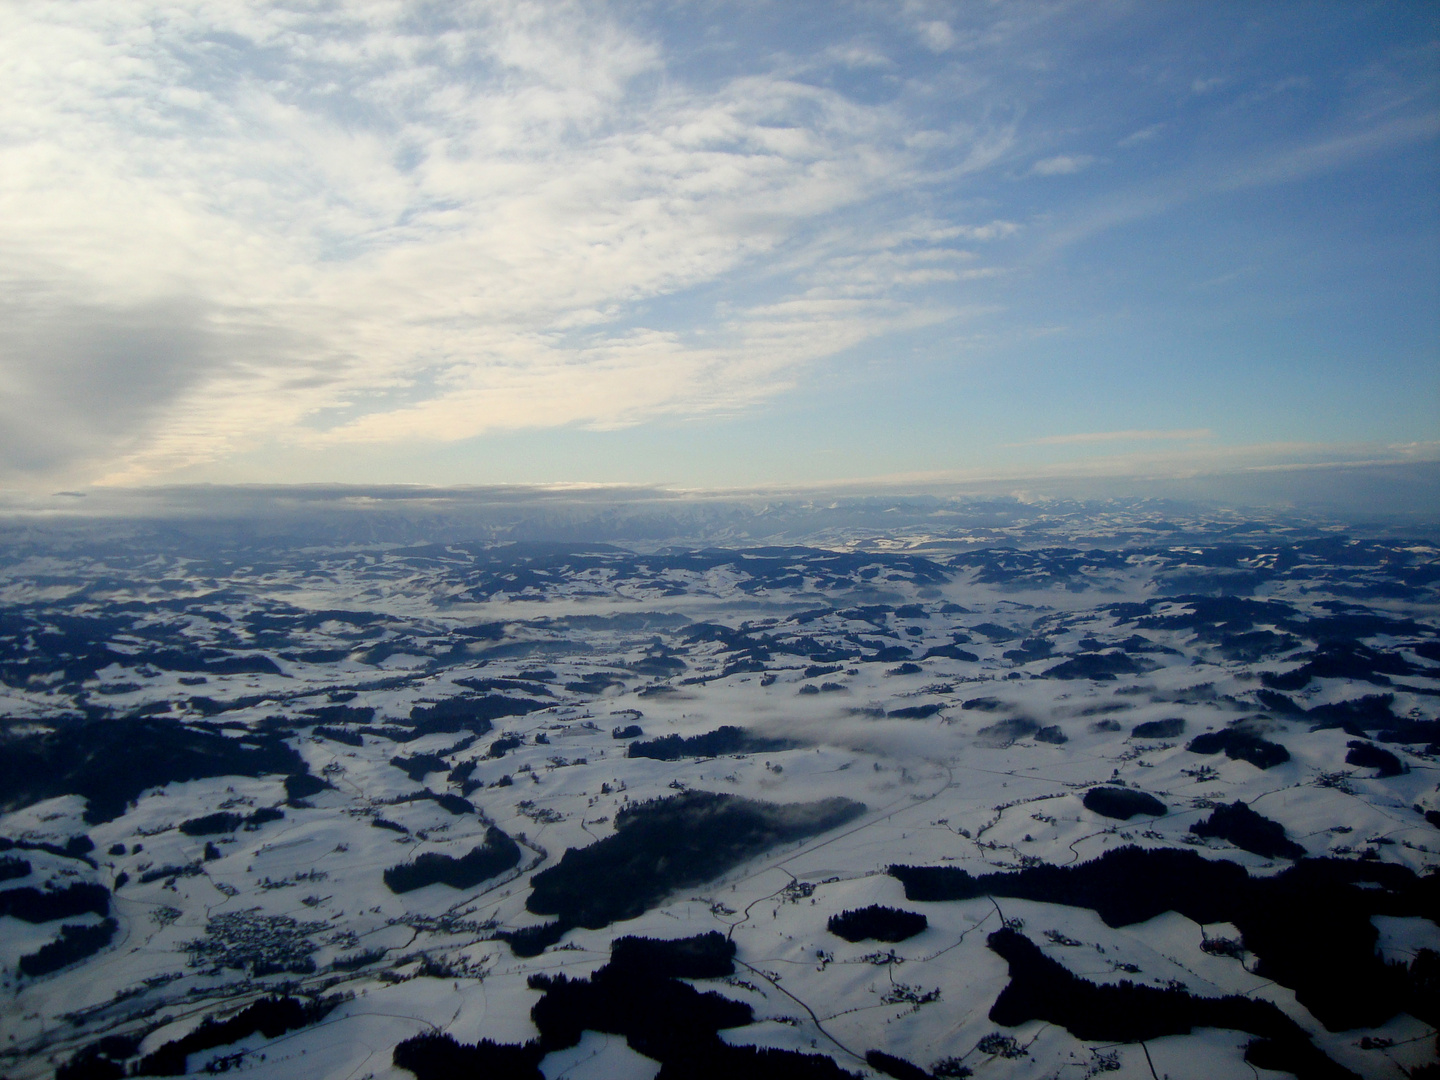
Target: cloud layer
[372,223]
[235,225]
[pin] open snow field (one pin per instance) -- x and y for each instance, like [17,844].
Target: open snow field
[968,700]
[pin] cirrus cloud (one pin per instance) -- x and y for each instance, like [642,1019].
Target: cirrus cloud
[438,225]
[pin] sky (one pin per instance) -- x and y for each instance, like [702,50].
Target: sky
[710,244]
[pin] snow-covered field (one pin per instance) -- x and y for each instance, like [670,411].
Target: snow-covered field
[969,695]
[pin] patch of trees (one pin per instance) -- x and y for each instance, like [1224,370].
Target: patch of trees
[1414,731]
[665,844]
[531,941]
[1132,644]
[1211,617]
[12,866]
[898,1067]
[1051,734]
[36,906]
[638,995]
[704,956]
[416,766]
[1370,712]
[721,1061]
[1004,732]
[531,683]
[171,871]
[877,923]
[468,713]
[110,762]
[1277,702]
[209,661]
[503,745]
[595,682]
[985,704]
[1309,927]
[440,1057]
[1036,648]
[1121,803]
[950,652]
[1240,745]
[660,1017]
[102,1059]
[449,802]
[341,714]
[627,731]
[460,773]
[224,822]
[340,735]
[1040,988]
[995,632]
[433,1056]
[270,1017]
[76,645]
[723,740]
[1358,717]
[659,667]
[1159,729]
[1369,756]
[1249,831]
[212,824]
[300,786]
[77,847]
[914,712]
[877,615]
[496,855]
[356,961]
[76,942]
[1343,660]
[1102,667]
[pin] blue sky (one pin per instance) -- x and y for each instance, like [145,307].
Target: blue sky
[711,244]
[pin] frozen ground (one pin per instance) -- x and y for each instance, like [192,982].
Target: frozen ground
[969,692]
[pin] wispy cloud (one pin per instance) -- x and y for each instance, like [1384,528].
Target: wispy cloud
[1118,436]
[473,211]
[234,227]
[936,34]
[1063,165]
[1144,135]
[1300,159]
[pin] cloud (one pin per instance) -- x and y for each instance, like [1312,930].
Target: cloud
[79,380]
[440,225]
[1132,435]
[231,227]
[1207,459]
[857,55]
[1063,165]
[995,230]
[1242,170]
[1145,134]
[936,35]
